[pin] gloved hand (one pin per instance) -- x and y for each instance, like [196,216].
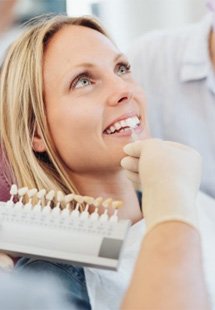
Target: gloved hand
[6,263]
[169,174]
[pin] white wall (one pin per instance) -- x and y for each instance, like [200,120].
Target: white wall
[126,19]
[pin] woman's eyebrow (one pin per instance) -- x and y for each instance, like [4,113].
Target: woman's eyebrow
[90,65]
[118,56]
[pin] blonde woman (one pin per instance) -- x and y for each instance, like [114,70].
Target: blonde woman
[66,96]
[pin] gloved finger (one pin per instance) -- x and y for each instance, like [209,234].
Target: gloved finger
[136,148]
[130,163]
[133,149]
[132,176]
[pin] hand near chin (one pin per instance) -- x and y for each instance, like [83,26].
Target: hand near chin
[6,262]
[169,174]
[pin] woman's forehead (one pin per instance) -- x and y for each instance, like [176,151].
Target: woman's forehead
[77,42]
[73,47]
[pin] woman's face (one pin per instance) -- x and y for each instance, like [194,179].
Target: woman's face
[90,96]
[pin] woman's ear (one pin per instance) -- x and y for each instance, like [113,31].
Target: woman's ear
[37,142]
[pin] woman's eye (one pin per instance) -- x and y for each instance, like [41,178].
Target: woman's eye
[123,69]
[81,81]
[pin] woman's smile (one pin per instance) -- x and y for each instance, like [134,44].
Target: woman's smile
[122,127]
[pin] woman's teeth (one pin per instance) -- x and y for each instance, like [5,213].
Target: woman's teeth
[123,125]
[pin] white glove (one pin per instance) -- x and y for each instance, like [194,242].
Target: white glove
[169,174]
[6,263]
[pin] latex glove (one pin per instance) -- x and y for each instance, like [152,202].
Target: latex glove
[6,263]
[170,175]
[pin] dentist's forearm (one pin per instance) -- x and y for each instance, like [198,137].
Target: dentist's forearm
[169,272]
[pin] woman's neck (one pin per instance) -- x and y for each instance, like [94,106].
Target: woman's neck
[115,186]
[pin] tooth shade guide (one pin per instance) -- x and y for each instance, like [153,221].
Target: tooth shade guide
[78,237]
[71,203]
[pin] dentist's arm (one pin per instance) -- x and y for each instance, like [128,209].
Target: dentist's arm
[169,272]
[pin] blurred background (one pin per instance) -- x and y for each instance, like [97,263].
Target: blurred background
[124,19]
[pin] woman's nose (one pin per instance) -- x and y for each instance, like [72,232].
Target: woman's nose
[120,91]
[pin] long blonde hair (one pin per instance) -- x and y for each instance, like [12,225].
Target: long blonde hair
[22,106]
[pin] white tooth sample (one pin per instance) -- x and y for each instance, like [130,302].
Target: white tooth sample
[68,198]
[108,131]
[60,196]
[97,202]
[22,191]
[41,193]
[32,192]
[13,190]
[79,198]
[37,208]
[107,202]
[89,200]
[117,204]
[50,195]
